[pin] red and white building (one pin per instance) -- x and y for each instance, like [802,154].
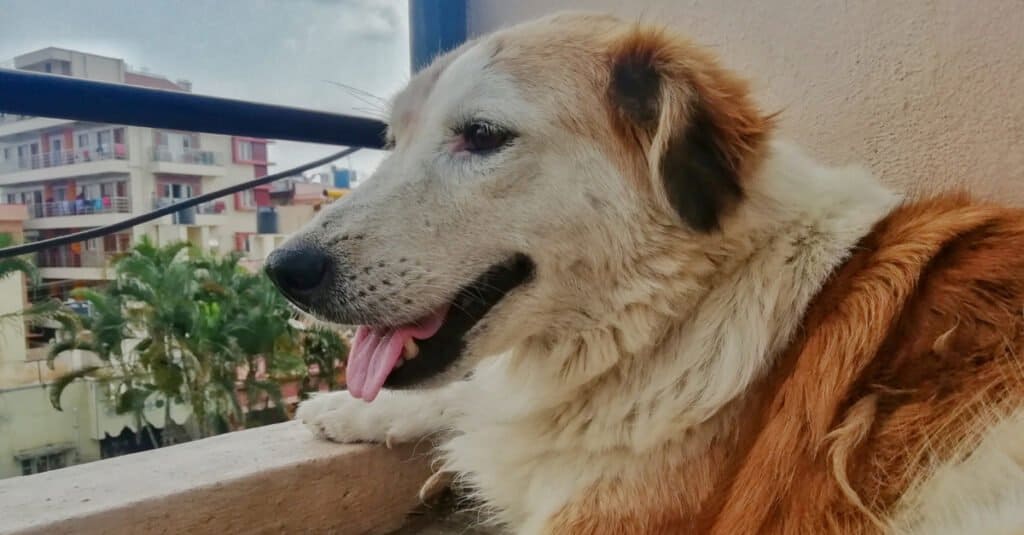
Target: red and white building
[74,175]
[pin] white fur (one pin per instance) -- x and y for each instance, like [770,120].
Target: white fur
[635,334]
[526,438]
[984,493]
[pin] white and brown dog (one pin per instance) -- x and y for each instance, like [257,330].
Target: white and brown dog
[627,307]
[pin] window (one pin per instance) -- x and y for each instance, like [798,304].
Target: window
[243,242]
[83,141]
[245,151]
[92,191]
[43,463]
[7,154]
[12,198]
[248,199]
[177,191]
[103,141]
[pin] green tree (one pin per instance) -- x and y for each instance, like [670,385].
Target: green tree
[134,327]
[251,322]
[192,327]
[9,266]
[325,349]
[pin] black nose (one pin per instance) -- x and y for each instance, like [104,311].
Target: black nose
[298,270]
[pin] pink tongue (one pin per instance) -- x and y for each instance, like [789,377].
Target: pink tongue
[376,351]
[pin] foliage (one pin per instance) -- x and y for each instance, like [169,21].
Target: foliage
[323,348]
[36,312]
[179,325]
[21,264]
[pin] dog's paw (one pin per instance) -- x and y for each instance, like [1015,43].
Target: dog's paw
[320,403]
[339,417]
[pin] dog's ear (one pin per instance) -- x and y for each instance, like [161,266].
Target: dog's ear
[693,120]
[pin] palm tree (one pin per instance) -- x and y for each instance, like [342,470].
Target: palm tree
[198,319]
[247,325]
[324,348]
[135,327]
[9,266]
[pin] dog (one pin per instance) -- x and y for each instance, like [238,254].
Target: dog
[594,273]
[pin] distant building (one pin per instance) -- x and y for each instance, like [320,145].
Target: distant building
[74,175]
[33,436]
[58,177]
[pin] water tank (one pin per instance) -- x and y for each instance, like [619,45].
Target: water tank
[266,220]
[343,178]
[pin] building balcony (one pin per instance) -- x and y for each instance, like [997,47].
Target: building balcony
[64,164]
[78,213]
[205,214]
[188,162]
[272,479]
[73,263]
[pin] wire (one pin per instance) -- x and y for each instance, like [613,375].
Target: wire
[32,247]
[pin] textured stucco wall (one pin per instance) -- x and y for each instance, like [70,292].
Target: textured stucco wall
[928,93]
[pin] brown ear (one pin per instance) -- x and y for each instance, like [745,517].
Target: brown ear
[700,133]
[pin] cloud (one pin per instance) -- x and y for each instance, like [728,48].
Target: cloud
[274,51]
[368,19]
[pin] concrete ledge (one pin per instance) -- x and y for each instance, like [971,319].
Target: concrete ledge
[273,479]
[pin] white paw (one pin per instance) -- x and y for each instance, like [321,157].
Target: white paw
[389,419]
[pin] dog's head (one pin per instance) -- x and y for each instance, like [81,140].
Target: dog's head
[528,168]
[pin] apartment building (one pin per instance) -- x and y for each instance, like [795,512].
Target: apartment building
[74,175]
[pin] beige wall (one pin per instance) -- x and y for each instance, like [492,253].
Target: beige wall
[291,218]
[929,93]
[12,327]
[28,421]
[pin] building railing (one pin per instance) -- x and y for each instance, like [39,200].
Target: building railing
[66,257]
[99,205]
[206,208]
[116,151]
[189,156]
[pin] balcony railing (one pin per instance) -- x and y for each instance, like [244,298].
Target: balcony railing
[117,151]
[187,156]
[65,257]
[206,208]
[101,205]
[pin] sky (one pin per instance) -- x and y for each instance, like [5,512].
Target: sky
[276,51]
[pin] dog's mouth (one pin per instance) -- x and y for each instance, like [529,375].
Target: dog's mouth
[404,356]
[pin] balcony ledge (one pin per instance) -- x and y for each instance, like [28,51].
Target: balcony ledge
[273,479]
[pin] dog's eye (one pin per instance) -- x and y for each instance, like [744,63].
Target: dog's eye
[481,137]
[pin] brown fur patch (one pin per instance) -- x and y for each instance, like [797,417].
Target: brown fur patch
[702,116]
[902,359]
[694,121]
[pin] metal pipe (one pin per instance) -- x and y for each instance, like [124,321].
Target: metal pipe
[63,97]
